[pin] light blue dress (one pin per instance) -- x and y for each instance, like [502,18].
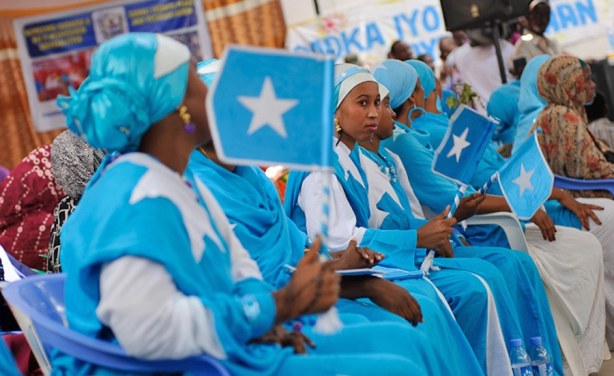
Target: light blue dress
[252,205]
[110,223]
[437,192]
[462,290]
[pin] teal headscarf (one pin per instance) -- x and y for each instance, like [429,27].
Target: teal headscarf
[399,78]
[530,103]
[426,75]
[135,80]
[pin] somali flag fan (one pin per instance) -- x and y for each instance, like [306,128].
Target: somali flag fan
[258,116]
[463,145]
[459,153]
[526,179]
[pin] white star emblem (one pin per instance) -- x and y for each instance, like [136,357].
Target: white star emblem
[523,181]
[267,109]
[460,143]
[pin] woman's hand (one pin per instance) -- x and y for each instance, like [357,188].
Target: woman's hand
[582,211]
[279,335]
[314,287]
[468,206]
[545,224]
[395,299]
[435,234]
[356,257]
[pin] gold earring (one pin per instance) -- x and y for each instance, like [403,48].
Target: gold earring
[338,126]
[185,116]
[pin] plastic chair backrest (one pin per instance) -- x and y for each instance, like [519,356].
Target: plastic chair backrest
[4,172]
[38,305]
[564,182]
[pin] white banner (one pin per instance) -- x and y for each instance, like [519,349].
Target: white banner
[55,49]
[369,29]
[572,21]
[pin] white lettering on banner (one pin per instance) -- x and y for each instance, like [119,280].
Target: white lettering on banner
[369,29]
[421,27]
[572,14]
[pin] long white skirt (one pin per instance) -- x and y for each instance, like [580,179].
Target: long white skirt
[605,234]
[572,270]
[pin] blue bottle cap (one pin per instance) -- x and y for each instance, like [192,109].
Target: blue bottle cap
[516,342]
[536,341]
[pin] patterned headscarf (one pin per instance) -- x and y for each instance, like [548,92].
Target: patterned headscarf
[73,162]
[568,145]
[135,80]
[561,83]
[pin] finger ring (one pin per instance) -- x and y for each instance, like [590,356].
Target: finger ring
[297,326]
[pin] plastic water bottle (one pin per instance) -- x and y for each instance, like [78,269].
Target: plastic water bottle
[521,363]
[540,360]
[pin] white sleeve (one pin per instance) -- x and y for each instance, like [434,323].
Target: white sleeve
[342,221]
[416,207]
[243,266]
[150,318]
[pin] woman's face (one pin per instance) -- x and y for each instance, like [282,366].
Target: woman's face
[195,96]
[386,121]
[589,85]
[418,95]
[359,113]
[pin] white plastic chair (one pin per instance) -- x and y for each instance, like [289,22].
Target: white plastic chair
[508,223]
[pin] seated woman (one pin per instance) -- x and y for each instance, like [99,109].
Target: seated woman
[583,312]
[31,194]
[151,260]
[27,198]
[249,200]
[252,206]
[357,116]
[513,297]
[568,145]
[73,163]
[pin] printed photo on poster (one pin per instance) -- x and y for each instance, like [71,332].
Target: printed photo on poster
[55,49]
[109,23]
[54,76]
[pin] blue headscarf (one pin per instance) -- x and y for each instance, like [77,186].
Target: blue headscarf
[252,205]
[399,78]
[503,106]
[135,80]
[426,75]
[207,70]
[530,103]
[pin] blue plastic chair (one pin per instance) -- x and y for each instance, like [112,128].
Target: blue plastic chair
[4,172]
[38,305]
[571,184]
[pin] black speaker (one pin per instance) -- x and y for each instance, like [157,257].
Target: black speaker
[469,14]
[603,75]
